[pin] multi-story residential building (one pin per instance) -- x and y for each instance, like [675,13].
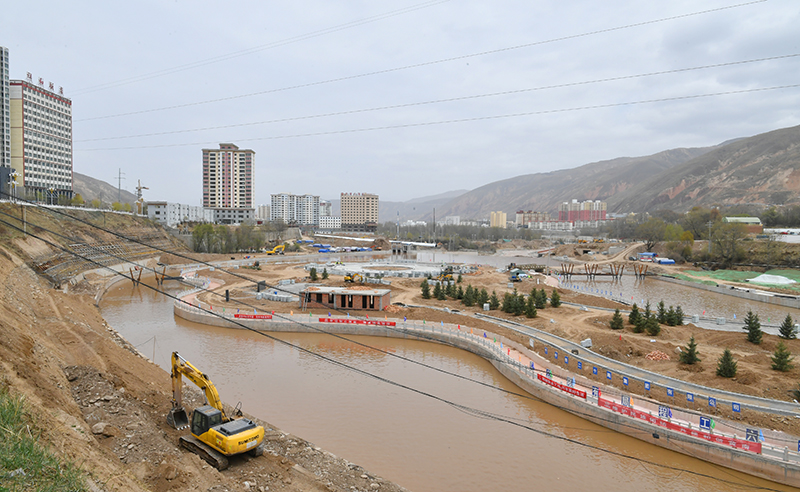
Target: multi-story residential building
[262,212]
[228,178]
[498,219]
[295,209]
[172,214]
[574,211]
[325,208]
[524,219]
[5,111]
[359,212]
[330,222]
[41,137]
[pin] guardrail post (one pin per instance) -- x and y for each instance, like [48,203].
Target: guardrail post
[785,453]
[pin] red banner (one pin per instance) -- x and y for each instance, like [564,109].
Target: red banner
[754,447]
[253,316]
[349,321]
[562,387]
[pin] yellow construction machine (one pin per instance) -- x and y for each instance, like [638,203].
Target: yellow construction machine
[214,436]
[353,278]
[277,250]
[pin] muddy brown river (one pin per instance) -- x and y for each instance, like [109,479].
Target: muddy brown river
[416,441]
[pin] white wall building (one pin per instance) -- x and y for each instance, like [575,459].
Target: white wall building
[172,214]
[330,222]
[325,208]
[295,209]
[5,111]
[263,212]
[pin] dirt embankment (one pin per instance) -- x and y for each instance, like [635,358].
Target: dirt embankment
[103,406]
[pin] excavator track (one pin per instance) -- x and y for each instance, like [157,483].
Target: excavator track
[208,454]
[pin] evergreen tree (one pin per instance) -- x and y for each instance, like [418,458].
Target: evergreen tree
[437,290]
[787,330]
[726,367]
[508,303]
[426,289]
[530,308]
[555,299]
[313,274]
[459,293]
[540,300]
[459,278]
[647,311]
[753,327]
[451,290]
[678,316]
[640,325]
[661,312]
[634,316]
[672,317]
[689,355]
[442,293]
[324,274]
[494,302]
[617,323]
[469,296]
[483,298]
[652,326]
[782,358]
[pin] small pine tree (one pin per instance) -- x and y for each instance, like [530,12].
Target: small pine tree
[678,316]
[634,316]
[313,274]
[753,327]
[689,356]
[459,278]
[661,312]
[442,293]
[726,366]
[671,317]
[782,358]
[483,298]
[652,326]
[617,323]
[530,308]
[437,290]
[787,331]
[494,302]
[555,299]
[539,299]
[519,305]
[508,303]
[647,311]
[451,290]
[459,293]
[426,290]
[469,296]
[640,325]
[324,274]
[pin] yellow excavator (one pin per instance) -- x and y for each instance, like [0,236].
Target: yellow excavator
[353,278]
[214,436]
[277,250]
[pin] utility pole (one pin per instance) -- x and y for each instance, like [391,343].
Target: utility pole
[710,223]
[119,186]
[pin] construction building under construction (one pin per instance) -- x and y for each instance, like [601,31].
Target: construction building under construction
[359,298]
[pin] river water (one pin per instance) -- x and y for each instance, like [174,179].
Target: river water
[419,442]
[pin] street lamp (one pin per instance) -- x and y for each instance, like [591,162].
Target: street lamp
[14,184]
[52,192]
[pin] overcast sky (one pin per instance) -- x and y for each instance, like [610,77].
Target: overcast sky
[380,96]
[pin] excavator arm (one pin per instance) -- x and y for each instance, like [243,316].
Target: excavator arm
[177,417]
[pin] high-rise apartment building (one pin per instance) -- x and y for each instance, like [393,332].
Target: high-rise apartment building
[498,219]
[41,137]
[295,209]
[359,212]
[575,211]
[5,111]
[228,183]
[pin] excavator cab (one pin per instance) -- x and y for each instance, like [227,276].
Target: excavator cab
[204,418]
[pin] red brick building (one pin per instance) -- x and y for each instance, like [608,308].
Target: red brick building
[345,298]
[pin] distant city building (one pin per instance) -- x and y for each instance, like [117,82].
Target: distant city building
[590,210]
[414,223]
[172,214]
[228,178]
[325,208]
[452,220]
[552,225]
[263,212]
[295,209]
[523,218]
[41,137]
[233,215]
[5,112]
[330,222]
[498,219]
[359,212]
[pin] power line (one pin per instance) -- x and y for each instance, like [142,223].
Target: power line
[459,120]
[429,63]
[237,54]
[438,101]
[465,408]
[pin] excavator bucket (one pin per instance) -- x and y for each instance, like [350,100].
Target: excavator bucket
[177,418]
